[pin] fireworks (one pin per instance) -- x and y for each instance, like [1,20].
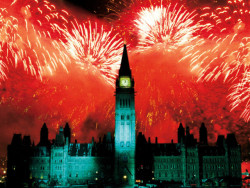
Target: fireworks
[26,40]
[171,26]
[40,38]
[93,46]
[241,96]
[224,53]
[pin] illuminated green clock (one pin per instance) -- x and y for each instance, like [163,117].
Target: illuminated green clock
[125,82]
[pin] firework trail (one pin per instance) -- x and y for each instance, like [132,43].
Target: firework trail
[95,48]
[28,38]
[170,25]
[224,52]
[214,40]
[240,95]
[228,53]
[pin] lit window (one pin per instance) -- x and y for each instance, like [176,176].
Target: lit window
[128,144]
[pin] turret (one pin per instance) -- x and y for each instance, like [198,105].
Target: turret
[203,134]
[181,133]
[187,131]
[67,132]
[44,135]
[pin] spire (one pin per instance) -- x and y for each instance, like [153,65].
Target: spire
[44,127]
[125,68]
[181,134]
[203,134]
[44,135]
[67,132]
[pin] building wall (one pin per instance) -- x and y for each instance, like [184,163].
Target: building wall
[58,161]
[125,139]
[40,164]
[168,168]
[183,168]
[214,166]
[82,170]
[61,168]
[234,154]
[192,160]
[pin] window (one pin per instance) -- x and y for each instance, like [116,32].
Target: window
[128,117]
[122,144]
[125,158]
[122,117]
[128,144]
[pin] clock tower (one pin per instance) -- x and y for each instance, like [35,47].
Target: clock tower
[125,124]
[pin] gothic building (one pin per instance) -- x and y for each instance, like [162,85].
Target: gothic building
[125,159]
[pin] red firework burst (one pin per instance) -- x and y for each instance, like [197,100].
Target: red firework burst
[95,48]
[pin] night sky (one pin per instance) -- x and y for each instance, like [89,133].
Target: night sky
[169,90]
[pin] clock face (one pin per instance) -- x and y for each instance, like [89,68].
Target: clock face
[125,82]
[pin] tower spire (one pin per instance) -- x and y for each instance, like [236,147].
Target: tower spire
[125,68]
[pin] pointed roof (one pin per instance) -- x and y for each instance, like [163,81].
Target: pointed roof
[203,127]
[44,126]
[125,68]
[67,126]
[181,126]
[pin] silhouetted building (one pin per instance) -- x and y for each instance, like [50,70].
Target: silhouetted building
[67,132]
[203,134]
[124,160]
[181,134]
[19,153]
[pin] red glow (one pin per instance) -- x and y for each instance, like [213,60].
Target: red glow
[165,77]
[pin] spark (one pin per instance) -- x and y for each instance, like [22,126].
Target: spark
[172,26]
[93,46]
